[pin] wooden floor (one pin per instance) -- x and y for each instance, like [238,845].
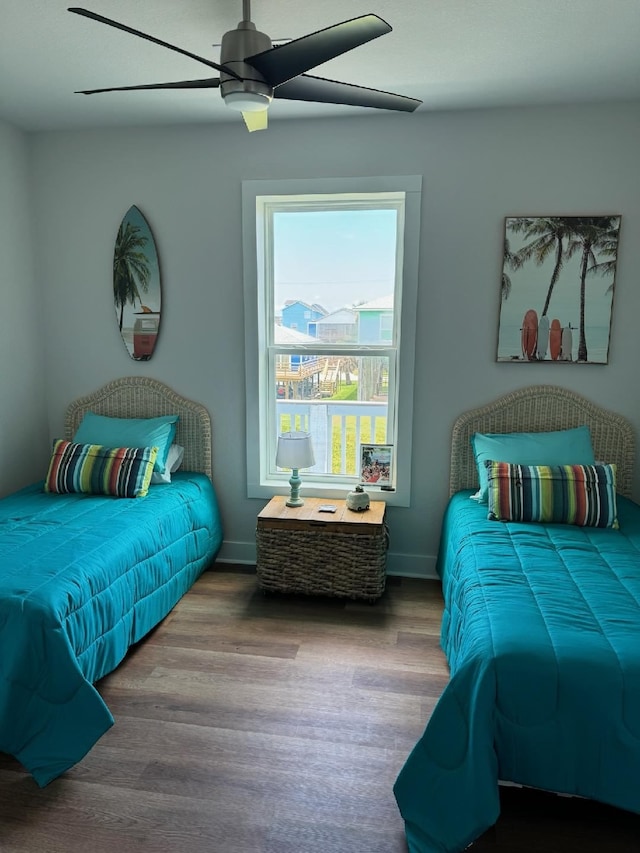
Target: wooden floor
[252,724]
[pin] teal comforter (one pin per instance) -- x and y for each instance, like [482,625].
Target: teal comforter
[541,629]
[81,579]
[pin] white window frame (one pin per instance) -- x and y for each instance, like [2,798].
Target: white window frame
[260,484]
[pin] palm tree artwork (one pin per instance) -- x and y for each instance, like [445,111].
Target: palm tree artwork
[558,282]
[136,285]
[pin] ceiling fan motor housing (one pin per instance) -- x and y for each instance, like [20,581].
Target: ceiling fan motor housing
[252,92]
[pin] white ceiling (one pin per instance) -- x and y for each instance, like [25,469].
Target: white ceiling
[452,54]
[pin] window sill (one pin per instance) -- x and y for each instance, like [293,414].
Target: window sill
[268,489]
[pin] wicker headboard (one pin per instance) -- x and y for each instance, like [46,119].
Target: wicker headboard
[541,408]
[140,397]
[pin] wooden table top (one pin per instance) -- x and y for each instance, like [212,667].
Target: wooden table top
[277,511]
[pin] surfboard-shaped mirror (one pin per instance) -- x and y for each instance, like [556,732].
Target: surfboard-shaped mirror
[137,294]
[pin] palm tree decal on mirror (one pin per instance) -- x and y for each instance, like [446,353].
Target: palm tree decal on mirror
[558,278]
[136,272]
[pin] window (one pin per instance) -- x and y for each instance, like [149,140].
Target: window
[337,258]
[386,327]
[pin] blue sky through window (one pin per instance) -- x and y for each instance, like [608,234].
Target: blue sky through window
[336,258]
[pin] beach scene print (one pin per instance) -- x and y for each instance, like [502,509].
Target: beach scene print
[375,464]
[137,293]
[558,282]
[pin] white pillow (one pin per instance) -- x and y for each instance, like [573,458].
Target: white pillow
[174,461]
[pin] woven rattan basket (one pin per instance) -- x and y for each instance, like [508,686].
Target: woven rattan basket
[341,559]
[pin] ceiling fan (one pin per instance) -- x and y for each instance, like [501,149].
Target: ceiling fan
[253,72]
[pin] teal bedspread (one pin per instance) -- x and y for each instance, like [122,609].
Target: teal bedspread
[541,630]
[81,579]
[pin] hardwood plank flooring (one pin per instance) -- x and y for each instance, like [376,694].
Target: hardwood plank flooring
[253,724]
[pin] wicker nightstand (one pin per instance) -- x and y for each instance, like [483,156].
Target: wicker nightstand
[340,554]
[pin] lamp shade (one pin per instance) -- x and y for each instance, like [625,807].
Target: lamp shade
[295,450]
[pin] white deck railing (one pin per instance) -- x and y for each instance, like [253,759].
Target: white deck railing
[318,417]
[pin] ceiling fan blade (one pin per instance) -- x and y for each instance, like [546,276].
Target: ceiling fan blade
[256,120]
[308,88]
[208,83]
[87,14]
[287,61]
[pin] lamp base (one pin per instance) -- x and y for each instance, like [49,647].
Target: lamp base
[294,482]
[298,502]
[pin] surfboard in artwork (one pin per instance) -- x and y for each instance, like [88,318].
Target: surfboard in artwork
[542,342]
[555,339]
[529,334]
[137,292]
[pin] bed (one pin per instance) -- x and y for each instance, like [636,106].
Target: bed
[541,629]
[85,576]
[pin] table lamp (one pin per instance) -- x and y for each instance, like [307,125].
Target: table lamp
[295,451]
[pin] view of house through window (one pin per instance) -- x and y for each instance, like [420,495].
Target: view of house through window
[332,293]
[327,287]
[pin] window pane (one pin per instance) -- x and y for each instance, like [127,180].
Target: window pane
[334,272]
[341,400]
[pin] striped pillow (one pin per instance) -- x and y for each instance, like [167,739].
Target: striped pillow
[123,472]
[561,494]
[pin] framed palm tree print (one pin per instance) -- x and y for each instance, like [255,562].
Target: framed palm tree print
[558,283]
[137,294]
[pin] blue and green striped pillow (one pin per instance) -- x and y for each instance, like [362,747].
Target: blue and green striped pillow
[123,472]
[560,494]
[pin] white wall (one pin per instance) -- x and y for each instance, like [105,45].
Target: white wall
[23,413]
[477,168]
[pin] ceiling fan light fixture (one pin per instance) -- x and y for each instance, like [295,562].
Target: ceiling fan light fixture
[247,102]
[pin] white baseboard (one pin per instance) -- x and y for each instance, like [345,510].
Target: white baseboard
[238,552]
[401,565]
[411,566]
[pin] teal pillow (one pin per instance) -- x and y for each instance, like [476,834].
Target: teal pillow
[129,432]
[562,447]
